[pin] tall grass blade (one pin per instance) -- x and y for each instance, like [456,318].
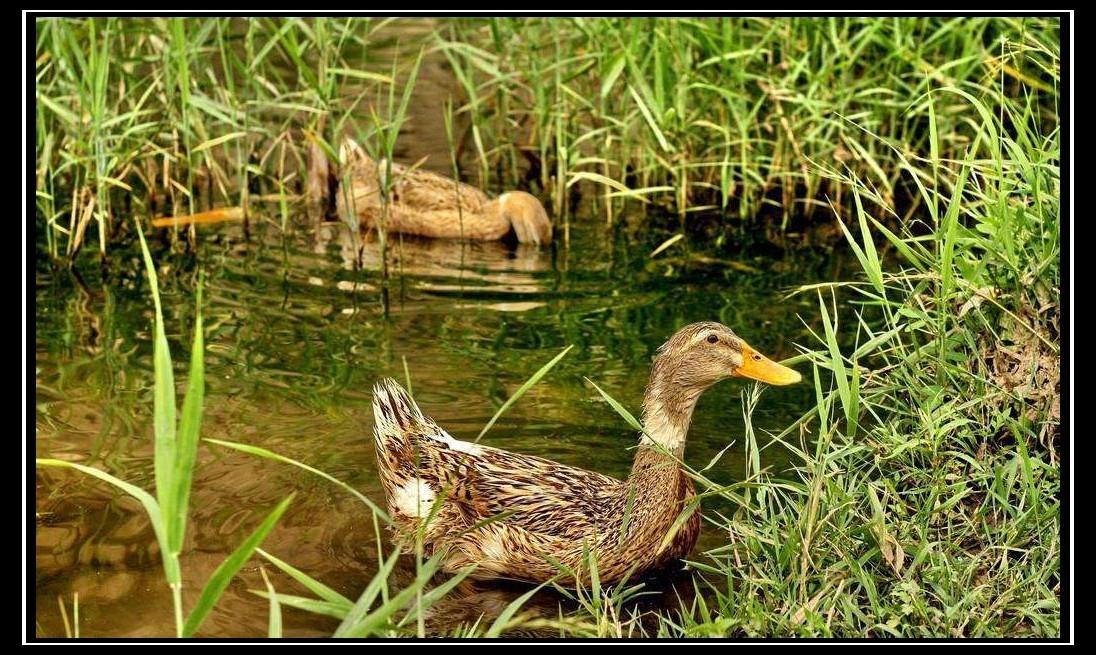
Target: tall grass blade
[362,624]
[502,621]
[224,573]
[617,407]
[315,586]
[528,384]
[650,120]
[837,365]
[274,628]
[312,605]
[163,408]
[361,607]
[190,424]
[142,496]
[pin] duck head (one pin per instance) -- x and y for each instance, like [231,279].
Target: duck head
[701,354]
[693,359]
[527,216]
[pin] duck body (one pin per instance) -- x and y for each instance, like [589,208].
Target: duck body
[524,517]
[427,204]
[545,510]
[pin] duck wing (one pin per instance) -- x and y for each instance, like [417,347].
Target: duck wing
[425,191]
[419,461]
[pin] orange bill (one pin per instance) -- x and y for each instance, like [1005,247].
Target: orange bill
[759,367]
[213,216]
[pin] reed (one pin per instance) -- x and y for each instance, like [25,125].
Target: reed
[176,445]
[735,115]
[182,116]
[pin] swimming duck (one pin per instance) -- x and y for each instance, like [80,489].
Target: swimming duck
[430,205]
[520,516]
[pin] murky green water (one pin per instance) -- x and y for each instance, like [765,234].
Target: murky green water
[296,338]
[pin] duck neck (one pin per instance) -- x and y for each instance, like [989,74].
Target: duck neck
[657,478]
[667,411]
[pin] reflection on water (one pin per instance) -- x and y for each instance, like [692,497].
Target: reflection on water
[296,336]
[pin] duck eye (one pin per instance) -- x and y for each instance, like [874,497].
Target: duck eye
[713,339]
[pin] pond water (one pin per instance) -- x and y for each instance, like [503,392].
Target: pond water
[295,340]
[296,336]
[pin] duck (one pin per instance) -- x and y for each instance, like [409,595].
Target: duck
[426,204]
[522,517]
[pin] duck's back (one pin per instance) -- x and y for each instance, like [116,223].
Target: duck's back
[410,189]
[513,515]
[429,192]
[419,462]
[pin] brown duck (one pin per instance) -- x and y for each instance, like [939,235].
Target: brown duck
[430,205]
[547,514]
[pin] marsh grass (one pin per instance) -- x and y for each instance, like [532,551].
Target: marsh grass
[380,610]
[735,115]
[174,116]
[738,117]
[926,497]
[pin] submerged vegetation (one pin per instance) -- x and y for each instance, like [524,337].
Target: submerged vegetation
[175,453]
[925,495]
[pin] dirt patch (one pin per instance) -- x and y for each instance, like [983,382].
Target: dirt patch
[1025,362]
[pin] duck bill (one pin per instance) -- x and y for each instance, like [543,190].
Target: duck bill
[759,367]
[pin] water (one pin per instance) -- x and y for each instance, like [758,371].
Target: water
[295,339]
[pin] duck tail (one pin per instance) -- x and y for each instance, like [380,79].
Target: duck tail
[527,216]
[397,422]
[394,414]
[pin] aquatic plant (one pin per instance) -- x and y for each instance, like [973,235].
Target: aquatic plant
[739,116]
[173,116]
[734,116]
[175,454]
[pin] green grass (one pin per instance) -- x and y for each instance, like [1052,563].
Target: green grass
[737,115]
[927,497]
[925,500]
[174,116]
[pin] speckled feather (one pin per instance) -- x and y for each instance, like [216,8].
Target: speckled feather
[544,510]
[430,205]
[522,517]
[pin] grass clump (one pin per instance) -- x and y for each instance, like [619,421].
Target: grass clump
[926,500]
[739,115]
[172,116]
[733,116]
